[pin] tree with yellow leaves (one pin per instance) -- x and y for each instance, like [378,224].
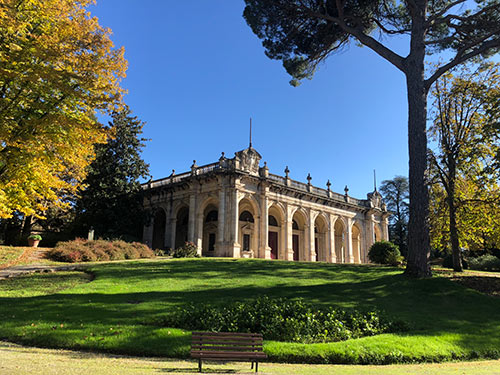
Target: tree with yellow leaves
[58,68]
[465,135]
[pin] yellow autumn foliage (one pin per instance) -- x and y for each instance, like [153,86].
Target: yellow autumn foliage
[58,68]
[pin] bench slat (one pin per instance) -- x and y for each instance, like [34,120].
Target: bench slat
[222,347]
[228,354]
[196,333]
[227,343]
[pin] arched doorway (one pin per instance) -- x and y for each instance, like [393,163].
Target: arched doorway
[247,229]
[339,230]
[356,243]
[181,227]
[159,223]
[273,236]
[298,226]
[211,217]
[320,238]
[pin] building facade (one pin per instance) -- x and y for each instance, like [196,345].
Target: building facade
[236,208]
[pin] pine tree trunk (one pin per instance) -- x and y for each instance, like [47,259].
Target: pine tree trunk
[418,228]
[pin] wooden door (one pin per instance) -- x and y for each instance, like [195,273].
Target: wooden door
[273,244]
[295,246]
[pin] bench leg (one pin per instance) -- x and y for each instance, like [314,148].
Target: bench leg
[199,365]
[251,368]
[256,366]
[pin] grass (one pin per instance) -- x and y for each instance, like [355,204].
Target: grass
[26,361]
[108,314]
[9,254]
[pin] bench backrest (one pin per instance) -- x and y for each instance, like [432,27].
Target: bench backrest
[226,341]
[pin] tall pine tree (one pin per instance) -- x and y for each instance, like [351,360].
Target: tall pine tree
[111,202]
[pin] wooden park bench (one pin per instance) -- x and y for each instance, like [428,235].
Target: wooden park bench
[227,346]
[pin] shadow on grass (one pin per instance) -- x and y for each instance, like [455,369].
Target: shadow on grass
[115,322]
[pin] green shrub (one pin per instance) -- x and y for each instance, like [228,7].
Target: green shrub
[485,263]
[281,320]
[385,252]
[189,250]
[81,250]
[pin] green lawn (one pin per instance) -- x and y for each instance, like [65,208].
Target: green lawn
[108,314]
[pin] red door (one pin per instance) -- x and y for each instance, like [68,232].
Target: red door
[295,246]
[273,244]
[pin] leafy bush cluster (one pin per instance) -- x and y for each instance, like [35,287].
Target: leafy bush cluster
[281,320]
[385,252]
[81,250]
[485,263]
[188,250]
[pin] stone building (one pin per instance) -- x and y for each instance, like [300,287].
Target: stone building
[236,208]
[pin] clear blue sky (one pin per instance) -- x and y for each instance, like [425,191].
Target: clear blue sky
[197,74]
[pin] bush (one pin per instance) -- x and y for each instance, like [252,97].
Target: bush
[81,250]
[281,320]
[189,250]
[485,263]
[385,252]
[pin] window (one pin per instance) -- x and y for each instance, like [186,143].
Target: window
[272,221]
[246,242]
[211,216]
[246,216]
[295,225]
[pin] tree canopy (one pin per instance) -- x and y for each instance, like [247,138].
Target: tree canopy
[58,67]
[464,125]
[395,193]
[304,33]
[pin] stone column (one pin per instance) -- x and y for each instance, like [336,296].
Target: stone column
[385,227]
[264,249]
[169,230]
[288,228]
[331,257]
[235,223]
[147,234]
[219,247]
[173,227]
[192,216]
[310,238]
[348,242]
[199,232]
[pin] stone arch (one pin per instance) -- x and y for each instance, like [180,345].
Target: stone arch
[181,225]
[299,221]
[210,217]
[321,238]
[159,225]
[276,233]
[356,243]
[248,224]
[339,229]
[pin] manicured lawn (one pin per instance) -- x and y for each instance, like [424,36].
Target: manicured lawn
[111,312]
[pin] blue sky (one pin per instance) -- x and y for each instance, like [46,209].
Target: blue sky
[197,74]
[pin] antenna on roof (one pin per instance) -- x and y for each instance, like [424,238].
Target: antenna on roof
[374,180]
[250,132]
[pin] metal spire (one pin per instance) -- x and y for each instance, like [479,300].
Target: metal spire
[374,180]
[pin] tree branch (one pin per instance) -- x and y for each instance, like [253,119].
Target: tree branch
[433,18]
[460,58]
[365,39]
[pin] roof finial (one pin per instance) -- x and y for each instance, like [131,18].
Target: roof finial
[374,180]
[250,133]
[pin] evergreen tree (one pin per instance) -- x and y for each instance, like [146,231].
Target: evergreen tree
[396,195]
[111,203]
